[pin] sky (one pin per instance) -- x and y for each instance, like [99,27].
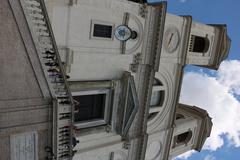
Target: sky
[216,91]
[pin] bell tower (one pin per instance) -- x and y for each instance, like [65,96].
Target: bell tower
[208,45]
[193,126]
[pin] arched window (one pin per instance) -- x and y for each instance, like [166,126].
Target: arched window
[182,138]
[158,92]
[157,82]
[179,116]
[152,115]
[199,44]
[157,98]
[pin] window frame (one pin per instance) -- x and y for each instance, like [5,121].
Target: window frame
[194,38]
[158,87]
[107,108]
[186,140]
[93,22]
[154,110]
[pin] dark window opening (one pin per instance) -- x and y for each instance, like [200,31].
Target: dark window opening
[134,35]
[152,115]
[156,82]
[200,44]
[102,31]
[179,116]
[89,107]
[183,138]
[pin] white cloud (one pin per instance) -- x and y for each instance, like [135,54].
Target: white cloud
[218,96]
[230,75]
[185,155]
[209,157]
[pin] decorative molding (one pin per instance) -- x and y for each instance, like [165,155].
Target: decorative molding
[143,11]
[144,79]
[72,2]
[153,150]
[24,128]
[140,34]
[19,104]
[137,58]
[166,78]
[69,60]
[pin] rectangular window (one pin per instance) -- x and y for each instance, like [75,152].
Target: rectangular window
[89,107]
[92,108]
[101,30]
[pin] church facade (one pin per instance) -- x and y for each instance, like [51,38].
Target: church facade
[109,77]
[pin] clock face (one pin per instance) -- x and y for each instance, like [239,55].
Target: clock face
[171,39]
[123,33]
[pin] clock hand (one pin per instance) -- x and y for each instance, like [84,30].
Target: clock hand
[170,40]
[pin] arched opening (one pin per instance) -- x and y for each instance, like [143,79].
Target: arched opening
[157,99]
[199,44]
[179,116]
[157,82]
[182,138]
[158,93]
[152,115]
[134,35]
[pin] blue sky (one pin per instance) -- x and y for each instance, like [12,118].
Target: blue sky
[217,92]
